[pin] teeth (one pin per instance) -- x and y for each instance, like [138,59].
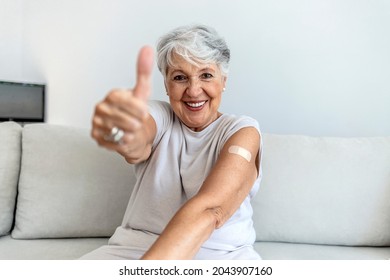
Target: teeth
[196,105]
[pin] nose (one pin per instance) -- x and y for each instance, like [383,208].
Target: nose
[194,87]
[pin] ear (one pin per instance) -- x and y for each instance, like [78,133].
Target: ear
[224,81]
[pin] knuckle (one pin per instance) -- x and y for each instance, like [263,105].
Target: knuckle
[100,108]
[95,135]
[96,121]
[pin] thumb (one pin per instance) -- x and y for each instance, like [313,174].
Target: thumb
[143,86]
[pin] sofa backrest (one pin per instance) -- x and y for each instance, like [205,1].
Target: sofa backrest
[324,191]
[68,186]
[10,150]
[314,190]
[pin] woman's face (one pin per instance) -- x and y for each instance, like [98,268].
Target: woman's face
[195,92]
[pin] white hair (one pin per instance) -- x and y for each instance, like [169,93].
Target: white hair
[196,44]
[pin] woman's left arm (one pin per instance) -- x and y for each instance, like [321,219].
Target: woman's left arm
[221,194]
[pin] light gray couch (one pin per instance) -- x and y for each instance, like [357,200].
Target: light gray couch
[62,196]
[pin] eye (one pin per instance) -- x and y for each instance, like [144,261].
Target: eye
[206,76]
[180,78]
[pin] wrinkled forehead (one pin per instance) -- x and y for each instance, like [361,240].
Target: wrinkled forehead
[181,62]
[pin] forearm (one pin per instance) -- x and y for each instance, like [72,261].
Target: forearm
[185,233]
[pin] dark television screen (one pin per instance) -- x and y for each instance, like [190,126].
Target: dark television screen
[22,102]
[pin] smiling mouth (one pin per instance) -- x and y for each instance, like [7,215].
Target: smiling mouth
[195,105]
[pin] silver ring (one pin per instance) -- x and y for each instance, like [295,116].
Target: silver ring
[115,135]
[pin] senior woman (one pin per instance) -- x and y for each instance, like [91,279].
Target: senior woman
[197,168]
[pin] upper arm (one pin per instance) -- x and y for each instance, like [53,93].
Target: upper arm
[223,191]
[232,177]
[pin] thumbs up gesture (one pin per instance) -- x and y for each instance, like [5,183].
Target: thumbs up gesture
[121,121]
[142,89]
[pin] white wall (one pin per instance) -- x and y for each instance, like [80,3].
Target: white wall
[298,66]
[11,39]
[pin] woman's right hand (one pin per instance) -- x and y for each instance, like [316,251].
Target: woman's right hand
[127,110]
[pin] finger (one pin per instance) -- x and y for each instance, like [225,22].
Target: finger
[125,101]
[143,85]
[120,120]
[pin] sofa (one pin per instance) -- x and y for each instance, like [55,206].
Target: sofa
[62,196]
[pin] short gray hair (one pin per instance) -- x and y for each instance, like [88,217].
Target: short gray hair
[196,44]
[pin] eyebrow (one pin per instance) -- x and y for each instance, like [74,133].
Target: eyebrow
[206,69]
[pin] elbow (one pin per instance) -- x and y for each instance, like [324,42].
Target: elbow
[218,216]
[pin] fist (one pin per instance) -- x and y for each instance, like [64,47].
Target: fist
[119,119]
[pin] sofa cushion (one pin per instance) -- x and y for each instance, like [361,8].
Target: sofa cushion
[324,191]
[48,249]
[296,251]
[10,148]
[69,187]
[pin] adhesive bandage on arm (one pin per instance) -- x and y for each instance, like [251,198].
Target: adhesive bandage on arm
[241,152]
